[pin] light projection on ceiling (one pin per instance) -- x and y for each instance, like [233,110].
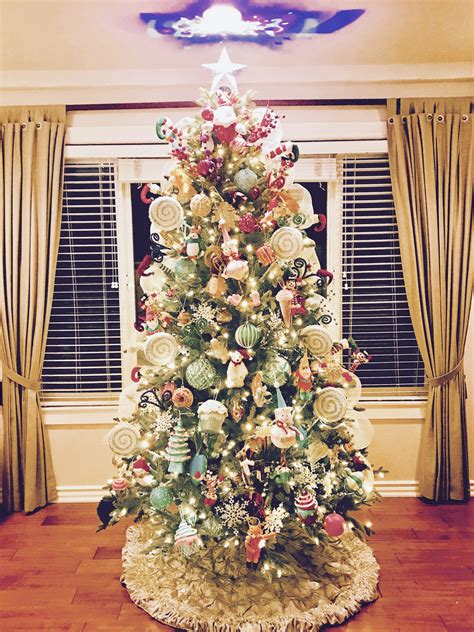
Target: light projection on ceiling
[270,25]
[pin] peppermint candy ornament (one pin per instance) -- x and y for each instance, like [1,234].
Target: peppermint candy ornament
[316,340]
[331,404]
[287,243]
[123,439]
[166,213]
[161,348]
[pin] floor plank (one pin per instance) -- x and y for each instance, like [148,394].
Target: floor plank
[57,573]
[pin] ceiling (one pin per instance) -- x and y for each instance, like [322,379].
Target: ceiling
[89,52]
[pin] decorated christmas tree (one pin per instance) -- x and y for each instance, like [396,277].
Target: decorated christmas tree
[241,448]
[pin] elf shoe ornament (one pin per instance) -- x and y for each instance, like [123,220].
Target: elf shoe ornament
[235,268]
[237,371]
[303,378]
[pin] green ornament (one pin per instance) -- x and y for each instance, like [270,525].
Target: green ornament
[276,371]
[161,497]
[200,374]
[247,335]
[183,270]
[202,325]
[353,483]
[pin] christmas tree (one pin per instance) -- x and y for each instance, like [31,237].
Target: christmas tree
[244,439]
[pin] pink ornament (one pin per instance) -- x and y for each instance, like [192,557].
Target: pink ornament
[141,464]
[248,224]
[207,114]
[204,167]
[119,484]
[225,134]
[235,299]
[255,298]
[254,193]
[334,525]
[238,144]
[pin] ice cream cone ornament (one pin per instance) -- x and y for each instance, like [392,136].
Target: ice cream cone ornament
[285,299]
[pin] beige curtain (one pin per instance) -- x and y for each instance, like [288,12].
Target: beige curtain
[431,161]
[32,156]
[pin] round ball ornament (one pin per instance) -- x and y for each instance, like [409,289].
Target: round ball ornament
[316,339]
[166,213]
[161,348]
[182,397]
[245,180]
[287,243]
[183,270]
[123,439]
[161,497]
[200,374]
[331,404]
[276,371]
[200,205]
[334,525]
[119,484]
[247,335]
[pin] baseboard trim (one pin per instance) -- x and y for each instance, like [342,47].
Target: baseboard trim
[93,493]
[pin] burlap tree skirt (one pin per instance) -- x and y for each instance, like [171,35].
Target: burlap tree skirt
[212,592]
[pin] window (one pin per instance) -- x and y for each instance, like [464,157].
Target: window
[374,305]
[83,351]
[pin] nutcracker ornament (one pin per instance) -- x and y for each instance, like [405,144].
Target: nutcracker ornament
[152,321]
[254,542]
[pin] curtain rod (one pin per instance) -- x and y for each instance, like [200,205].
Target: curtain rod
[192,104]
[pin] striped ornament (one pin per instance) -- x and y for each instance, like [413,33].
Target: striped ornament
[247,335]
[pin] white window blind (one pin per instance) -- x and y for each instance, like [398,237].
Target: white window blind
[83,351]
[374,305]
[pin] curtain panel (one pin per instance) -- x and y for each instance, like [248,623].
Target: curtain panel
[431,162]
[32,159]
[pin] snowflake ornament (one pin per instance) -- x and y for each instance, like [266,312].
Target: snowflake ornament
[274,322]
[304,476]
[164,421]
[275,520]
[233,512]
[205,311]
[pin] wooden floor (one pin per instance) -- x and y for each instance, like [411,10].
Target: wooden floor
[56,573]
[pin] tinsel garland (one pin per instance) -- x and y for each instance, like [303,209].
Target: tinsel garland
[320,585]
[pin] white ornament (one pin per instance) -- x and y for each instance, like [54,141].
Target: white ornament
[211,415]
[127,400]
[282,436]
[161,348]
[233,511]
[236,371]
[330,404]
[305,204]
[123,439]
[224,71]
[316,339]
[154,280]
[166,213]
[287,243]
[353,390]
[360,428]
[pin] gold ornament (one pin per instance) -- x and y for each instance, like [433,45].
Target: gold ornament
[225,215]
[200,205]
[223,316]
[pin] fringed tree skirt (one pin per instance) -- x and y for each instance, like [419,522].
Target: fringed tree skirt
[206,594]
